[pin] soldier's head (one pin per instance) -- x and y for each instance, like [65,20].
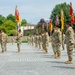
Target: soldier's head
[19,30]
[3,30]
[68,23]
[57,27]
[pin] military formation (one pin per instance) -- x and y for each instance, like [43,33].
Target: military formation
[41,41]
[58,39]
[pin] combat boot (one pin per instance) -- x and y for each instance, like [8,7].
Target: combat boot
[2,51]
[54,55]
[68,62]
[58,57]
[46,52]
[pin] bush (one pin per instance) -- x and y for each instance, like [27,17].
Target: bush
[24,41]
[27,33]
[12,33]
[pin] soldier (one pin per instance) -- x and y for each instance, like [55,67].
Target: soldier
[74,39]
[53,42]
[39,40]
[32,40]
[36,41]
[57,42]
[19,35]
[44,41]
[63,40]
[69,42]
[3,40]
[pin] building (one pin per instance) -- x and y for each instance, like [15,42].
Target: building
[28,29]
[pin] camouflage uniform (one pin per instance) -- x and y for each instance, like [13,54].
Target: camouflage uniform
[74,40]
[53,43]
[44,41]
[69,43]
[36,40]
[63,41]
[3,41]
[19,35]
[39,41]
[57,42]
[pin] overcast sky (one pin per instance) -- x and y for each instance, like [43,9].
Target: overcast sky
[31,10]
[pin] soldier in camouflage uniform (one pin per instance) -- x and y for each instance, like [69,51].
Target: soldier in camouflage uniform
[53,42]
[44,41]
[19,35]
[32,40]
[39,40]
[3,40]
[74,39]
[63,41]
[69,42]
[57,42]
[36,41]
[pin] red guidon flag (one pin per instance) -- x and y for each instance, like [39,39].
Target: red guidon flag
[71,13]
[17,15]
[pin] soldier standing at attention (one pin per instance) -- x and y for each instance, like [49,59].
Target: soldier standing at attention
[19,35]
[53,42]
[32,40]
[44,41]
[3,40]
[63,41]
[69,42]
[57,41]
[39,40]
[36,41]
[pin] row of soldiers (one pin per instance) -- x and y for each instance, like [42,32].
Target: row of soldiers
[4,38]
[57,39]
[40,41]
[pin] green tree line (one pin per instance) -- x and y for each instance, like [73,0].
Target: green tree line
[9,24]
[57,11]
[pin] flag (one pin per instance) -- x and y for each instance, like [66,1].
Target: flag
[56,20]
[50,25]
[62,20]
[17,15]
[71,13]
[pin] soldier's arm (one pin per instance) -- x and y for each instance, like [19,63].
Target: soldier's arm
[70,33]
[59,37]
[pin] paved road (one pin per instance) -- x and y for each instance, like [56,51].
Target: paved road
[31,61]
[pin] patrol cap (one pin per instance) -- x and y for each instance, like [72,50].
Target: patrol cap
[57,26]
[68,22]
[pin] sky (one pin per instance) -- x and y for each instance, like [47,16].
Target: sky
[31,10]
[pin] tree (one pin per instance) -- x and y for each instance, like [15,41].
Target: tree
[24,21]
[8,26]
[56,11]
[11,17]
[2,19]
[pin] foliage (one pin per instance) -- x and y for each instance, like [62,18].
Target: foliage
[24,41]
[11,17]
[2,19]
[12,33]
[27,33]
[8,26]
[56,11]
[24,22]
